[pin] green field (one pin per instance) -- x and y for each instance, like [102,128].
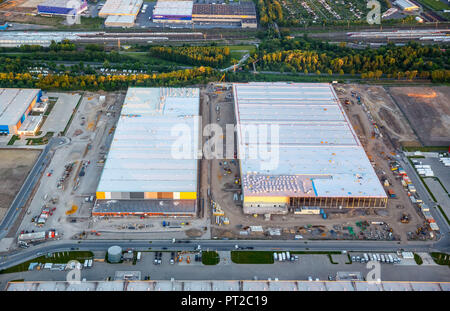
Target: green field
[418,259]
[210,258]
[435,4]
[237,51]
[149,60]
[256,257]
[441,258]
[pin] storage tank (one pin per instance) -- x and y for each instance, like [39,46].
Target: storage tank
[114,254]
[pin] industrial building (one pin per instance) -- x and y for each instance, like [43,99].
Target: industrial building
[241,14]
[406,5]
[31,125]
[321,163]
[61,7]
[225,285]
[120,13]
[173,12]
[15,105]
[143,175]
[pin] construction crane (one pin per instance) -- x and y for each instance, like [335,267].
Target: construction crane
[223,77]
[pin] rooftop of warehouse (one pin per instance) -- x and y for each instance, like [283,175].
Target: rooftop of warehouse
[120,19]
[319,153]
[57,3]
[14,103]
[174,8]
[121,7]
[229,285]
[31,123]
[242,8]
[140,158]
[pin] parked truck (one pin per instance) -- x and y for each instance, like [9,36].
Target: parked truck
[391,193]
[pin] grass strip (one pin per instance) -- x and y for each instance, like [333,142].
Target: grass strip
[256,257]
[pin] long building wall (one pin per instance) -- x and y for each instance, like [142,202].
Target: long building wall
[281,205]
[146,195]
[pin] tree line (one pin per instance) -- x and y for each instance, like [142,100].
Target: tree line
[198,75]
[306,56]
[194,55]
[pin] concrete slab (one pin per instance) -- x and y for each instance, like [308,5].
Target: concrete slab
[5,244]
[225,258]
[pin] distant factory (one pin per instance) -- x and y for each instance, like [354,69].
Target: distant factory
[61,7]
[241,14]
[120,13]
[406,5]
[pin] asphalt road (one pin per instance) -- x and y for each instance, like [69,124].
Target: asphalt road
[57,246]
[27,187]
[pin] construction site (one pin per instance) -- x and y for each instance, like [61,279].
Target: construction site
[400,220]
[101,183]
[426,110]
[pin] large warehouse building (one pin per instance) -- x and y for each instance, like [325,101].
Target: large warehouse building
[173,12]
[15,105]
[242,14]
[61,7]
[120,13]
[321,163]
[142,175]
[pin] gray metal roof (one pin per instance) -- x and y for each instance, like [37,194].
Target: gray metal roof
[317,146]
[14,103]
[225,285]
[141,157]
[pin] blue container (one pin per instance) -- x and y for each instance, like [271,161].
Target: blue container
[4,129]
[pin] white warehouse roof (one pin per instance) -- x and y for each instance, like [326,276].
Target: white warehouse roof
[121,7]
[173,8]
[14,103]
[319,152]
[140,158]
[406,5]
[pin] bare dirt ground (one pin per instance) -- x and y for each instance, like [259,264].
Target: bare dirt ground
[384,111]
[379,149]
[14,167]
[428,112]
